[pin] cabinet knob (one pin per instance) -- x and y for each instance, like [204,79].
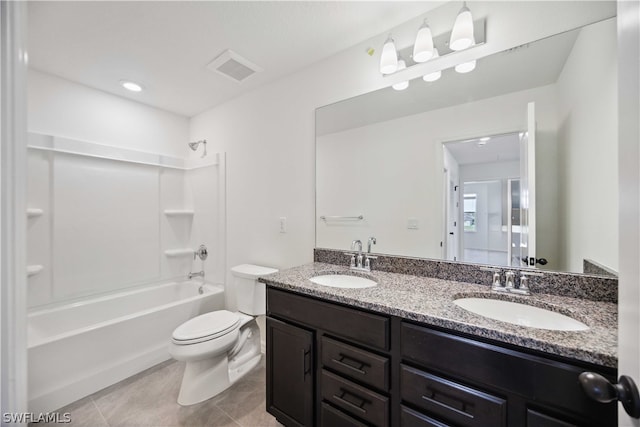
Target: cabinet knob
[601,390]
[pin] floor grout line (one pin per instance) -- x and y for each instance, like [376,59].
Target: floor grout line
[100,412]
[228,415]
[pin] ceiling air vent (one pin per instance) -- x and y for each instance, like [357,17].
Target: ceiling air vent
[233,66]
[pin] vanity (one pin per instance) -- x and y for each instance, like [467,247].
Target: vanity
[403,354]
[473,172]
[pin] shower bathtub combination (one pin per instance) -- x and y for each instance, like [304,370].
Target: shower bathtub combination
[81,347]
[111,238]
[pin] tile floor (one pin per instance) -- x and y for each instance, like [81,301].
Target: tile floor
[149,399]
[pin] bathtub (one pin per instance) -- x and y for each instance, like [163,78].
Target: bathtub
[79,348]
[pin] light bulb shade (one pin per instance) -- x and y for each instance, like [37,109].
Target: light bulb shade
[389,57]
[423,47]
[432,77]
[466,67]
[462,33]
[405,84]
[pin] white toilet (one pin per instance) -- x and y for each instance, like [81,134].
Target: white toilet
[221,346]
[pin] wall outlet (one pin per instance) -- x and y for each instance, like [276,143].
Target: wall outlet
[283,224]
[413,224]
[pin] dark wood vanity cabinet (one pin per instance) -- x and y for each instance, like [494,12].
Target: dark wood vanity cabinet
[289,373]
[351,363]
[333,365]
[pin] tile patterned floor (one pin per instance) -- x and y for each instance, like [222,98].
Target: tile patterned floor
[149,399]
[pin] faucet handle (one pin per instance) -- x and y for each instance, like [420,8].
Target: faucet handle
[509,280]
[496,284]
[202,253]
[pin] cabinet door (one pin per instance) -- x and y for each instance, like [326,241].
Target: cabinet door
[289,373]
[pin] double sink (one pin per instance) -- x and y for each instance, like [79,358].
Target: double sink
[506,311]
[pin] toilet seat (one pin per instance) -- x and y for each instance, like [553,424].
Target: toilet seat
[206,327]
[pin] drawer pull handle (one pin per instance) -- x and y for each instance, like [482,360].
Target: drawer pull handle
[344,401]
[346,365]
[461,411]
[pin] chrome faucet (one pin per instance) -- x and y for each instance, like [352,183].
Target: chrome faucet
[198,274]
[520,287]
[357,243]
[372,240]
[360,261]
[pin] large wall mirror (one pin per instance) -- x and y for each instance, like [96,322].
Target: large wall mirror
[450,169]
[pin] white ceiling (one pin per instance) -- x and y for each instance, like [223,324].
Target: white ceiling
[165,46]
[499,148]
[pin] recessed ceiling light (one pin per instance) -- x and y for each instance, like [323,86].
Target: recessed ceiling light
[129,85]
[483,141]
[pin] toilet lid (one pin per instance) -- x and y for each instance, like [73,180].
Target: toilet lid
[209,325]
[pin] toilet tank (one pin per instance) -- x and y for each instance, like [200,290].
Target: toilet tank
[250,294]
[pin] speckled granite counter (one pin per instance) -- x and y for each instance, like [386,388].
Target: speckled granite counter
[430,301]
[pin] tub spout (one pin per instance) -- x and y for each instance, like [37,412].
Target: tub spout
[198,274]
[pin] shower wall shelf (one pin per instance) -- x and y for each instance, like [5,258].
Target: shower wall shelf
[174,253]
[34,212]
[32,270]
[179,212]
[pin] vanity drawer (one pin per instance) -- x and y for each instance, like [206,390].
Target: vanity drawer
[355,400]
[537,419]
[355,363]
[555,384]
[411,418]
[360,326]
[451,401]
[332,417]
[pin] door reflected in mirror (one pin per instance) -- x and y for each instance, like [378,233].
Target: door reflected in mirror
[482,188]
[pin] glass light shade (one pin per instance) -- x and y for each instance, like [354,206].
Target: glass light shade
[462,34]
[389,57]
[466,67]
[432,77]
[423,47]
[402,85]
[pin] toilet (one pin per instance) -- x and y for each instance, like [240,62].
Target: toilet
[221,346]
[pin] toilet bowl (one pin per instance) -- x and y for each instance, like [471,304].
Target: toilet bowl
[221,346]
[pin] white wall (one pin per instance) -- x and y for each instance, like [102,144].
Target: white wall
[66,109]
[587,88]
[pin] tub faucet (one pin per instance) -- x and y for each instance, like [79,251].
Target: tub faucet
[198,274]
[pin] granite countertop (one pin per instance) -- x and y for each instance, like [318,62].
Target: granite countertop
[430,301]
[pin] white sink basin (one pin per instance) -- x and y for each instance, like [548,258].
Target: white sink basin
[343,281]
[520,314]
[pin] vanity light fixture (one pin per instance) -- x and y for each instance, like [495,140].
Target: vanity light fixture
[389,57]
[405,84]
[131,86]
[462,34]
[423,47]
[432,77]
[466,67]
